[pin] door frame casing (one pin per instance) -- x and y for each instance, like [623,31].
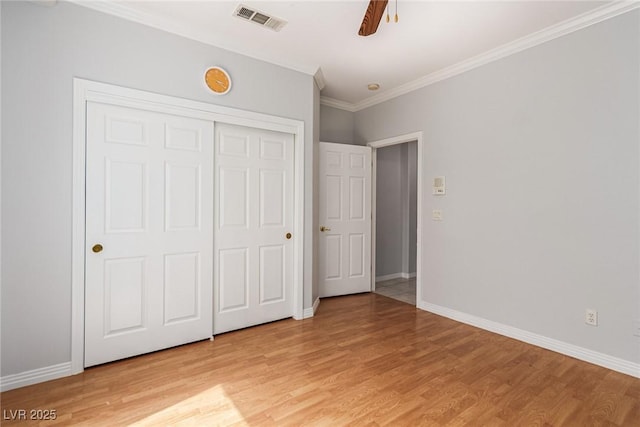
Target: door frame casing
[395,140]
[89,91]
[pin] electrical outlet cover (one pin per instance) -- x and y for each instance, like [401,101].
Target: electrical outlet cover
[591,317]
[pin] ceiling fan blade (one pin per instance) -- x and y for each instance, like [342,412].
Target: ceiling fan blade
[372,17]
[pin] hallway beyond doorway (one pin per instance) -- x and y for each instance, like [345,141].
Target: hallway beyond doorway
[400,289]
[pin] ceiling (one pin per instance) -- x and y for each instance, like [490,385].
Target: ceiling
[430,36]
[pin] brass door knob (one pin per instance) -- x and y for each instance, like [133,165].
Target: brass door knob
[323,228]
[97,248]
[288,236]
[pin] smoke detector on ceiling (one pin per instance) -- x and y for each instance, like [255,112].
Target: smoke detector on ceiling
[252,15]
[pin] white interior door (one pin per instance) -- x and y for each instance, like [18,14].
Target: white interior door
[345,219]
[253,277]
[149,207]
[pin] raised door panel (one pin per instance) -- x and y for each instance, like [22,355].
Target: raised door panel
[126,199]
[333,160]
[182,284]
[333,197]
[182,196]
[125,130]
[356,255]
[182,137]
[233,145]
[357,161]
[272,198]
[234,279]
[333,255]
[233,197]
[356,198]
[124,295]
[272,274]
[273,149]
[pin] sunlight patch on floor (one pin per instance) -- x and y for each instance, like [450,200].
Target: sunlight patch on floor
[212,405]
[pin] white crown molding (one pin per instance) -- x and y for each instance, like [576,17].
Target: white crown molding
[336,103]
[581,353]
[579,22]
[123,11]
[319,78]
[47,3]
[558,30]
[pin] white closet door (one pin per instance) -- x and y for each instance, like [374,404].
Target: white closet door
[344,256]
[253,276]
[149,228]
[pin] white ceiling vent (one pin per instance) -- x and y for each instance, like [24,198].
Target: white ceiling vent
[260,18]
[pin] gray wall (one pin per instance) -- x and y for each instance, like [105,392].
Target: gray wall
[389,210]
[396,205]
[540,153]
[43,48]
[336,125]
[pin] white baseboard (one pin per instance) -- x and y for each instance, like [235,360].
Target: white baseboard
[395,276]
[597,358]
[388,277]
[48,373]
[9,382]
[309,312]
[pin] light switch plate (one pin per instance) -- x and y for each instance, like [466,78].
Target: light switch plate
[439,188]
[436,215]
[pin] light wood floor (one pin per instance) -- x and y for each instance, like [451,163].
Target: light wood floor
[363,360]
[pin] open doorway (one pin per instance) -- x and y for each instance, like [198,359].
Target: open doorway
[396,211]
[396,219]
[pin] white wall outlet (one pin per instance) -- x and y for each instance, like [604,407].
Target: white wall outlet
[436,215]
[591,317]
